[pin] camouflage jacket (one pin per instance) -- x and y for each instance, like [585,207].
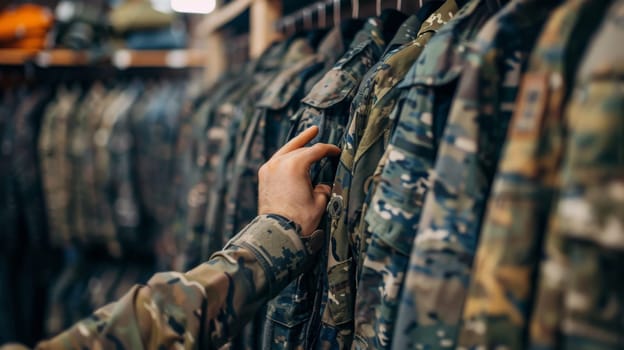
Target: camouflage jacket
[24,249]
[439,82]
[267,131]
[207,136]
[203,307]
[288,323]
[373,125]
[54,163]
[581,293]
[326,106]
[497,310]
[444,247]
[232,207]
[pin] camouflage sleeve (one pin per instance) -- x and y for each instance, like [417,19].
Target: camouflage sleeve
[206,306]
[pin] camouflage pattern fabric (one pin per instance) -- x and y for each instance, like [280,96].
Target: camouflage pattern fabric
[266,132]
[201,308]
[205,138]
[581,293]
[446,240]
[372,110]
[326,105]
[54,164]
[154,133]
[437,84]
[230,206]
[288,323]
[293,317]
[234,109]
[26,281]
[499,300]
[242,189]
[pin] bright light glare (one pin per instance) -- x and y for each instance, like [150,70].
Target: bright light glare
[193,6]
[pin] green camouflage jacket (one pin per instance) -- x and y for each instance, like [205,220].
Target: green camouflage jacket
[293,318]
[288,323]
[54,163]
[448,231]
[327,106]
[499,299]
[372,110]
[581,292]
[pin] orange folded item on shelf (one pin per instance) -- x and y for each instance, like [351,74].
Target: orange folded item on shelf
[28,43]
[28,20]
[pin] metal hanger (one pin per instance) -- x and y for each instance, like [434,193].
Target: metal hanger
[336,12]
[321,14]
[307,19]
[355,6]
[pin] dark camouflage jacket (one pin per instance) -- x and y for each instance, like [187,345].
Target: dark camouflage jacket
[446,240]
[497,309]
[327,106]
[374,125]
[580,286]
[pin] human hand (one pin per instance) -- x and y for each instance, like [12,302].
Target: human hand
[284,181]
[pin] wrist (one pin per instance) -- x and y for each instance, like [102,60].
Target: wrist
[276,242]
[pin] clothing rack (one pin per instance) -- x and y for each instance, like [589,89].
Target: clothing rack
[319,14]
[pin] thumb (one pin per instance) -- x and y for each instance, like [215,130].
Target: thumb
[322,193]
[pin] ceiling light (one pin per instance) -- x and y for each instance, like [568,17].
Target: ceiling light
[193,6]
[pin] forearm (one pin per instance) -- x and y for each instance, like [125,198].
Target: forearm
[205,306]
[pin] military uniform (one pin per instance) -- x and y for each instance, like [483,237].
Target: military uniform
[288,323]
[327,107]
[373,112]
[580,290]
[201,308]
[499,298]
[407,109]
[26,281]
[447,235]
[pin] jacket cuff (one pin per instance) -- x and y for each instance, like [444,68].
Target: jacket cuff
[281,251]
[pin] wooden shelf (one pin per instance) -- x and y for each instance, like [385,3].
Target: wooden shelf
[12,57]
[121,59]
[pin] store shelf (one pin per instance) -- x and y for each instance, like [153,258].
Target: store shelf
[121,59]
[13,57]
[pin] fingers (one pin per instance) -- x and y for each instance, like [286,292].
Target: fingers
[322,194]
[299,141]
[307,156]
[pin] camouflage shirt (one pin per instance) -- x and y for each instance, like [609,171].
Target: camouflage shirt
[499,298]
[377,100]
[581,293]
[327,106]
[443,250]
[204,307]
[289,323]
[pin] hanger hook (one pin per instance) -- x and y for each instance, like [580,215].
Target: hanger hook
[336,12]
[307,19]
[355,4]
[378,7]
[321,15]
[399,5]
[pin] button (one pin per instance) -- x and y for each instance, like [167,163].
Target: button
[335,205]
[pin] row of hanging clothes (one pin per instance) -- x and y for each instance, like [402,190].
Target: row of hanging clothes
[476,202]
[86,189]
[477,199]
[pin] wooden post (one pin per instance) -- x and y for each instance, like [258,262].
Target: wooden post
[263,15]
[216,59]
